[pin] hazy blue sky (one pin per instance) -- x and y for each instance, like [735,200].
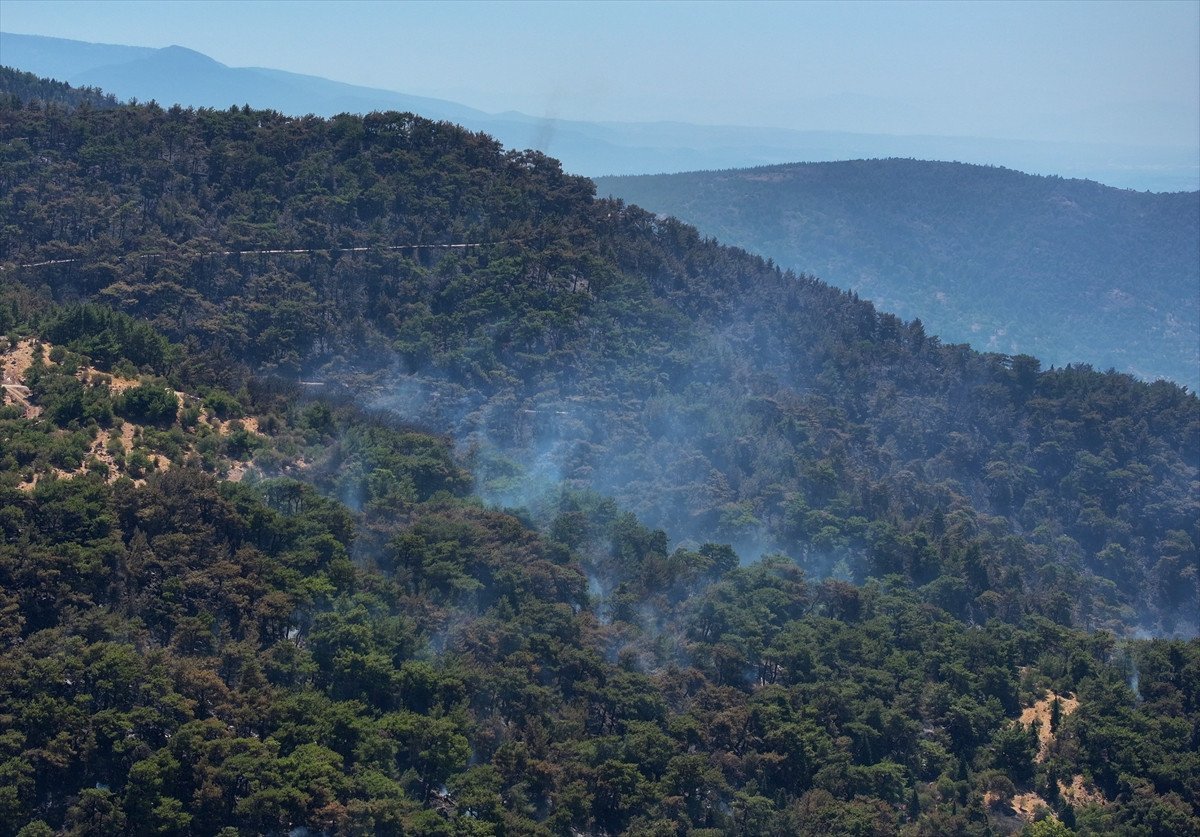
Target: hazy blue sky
[1123,71]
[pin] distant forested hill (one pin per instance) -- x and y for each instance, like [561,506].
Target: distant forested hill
[1068,270]
[262,376]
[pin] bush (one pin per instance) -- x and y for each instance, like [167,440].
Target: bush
[138,464]
[224,405]
[148,404]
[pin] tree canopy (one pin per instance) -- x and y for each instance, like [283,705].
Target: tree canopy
[595,526]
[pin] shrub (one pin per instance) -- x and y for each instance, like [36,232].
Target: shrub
[148,404]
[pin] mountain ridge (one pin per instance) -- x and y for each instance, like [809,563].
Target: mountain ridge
[619,148]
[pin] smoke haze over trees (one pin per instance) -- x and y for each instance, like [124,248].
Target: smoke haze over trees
[714,395]
[350,640]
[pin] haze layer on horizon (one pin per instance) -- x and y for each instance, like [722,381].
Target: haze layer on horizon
[1074,72]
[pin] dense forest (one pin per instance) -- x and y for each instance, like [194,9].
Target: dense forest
[258,575]
[587,342]
[1066,270]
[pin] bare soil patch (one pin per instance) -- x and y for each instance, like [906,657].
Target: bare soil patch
[1041,711]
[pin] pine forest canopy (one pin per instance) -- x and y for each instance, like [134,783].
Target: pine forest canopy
[351,639]
[712,394]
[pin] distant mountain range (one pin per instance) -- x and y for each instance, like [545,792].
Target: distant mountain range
[1067,270]
[178,75]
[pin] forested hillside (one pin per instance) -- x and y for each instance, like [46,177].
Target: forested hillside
[186,654]
[713,395]
[252,581]
[1068,270]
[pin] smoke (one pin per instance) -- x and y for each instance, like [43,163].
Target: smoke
[1128,661]
[692,456]
[544,134]
[504,482]
[350,493]
[428,401]
[445,635]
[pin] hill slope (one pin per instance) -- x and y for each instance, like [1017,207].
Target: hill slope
[1067,270]
[348,641]
[586,342]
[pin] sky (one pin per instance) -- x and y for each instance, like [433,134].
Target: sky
[1074,71]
